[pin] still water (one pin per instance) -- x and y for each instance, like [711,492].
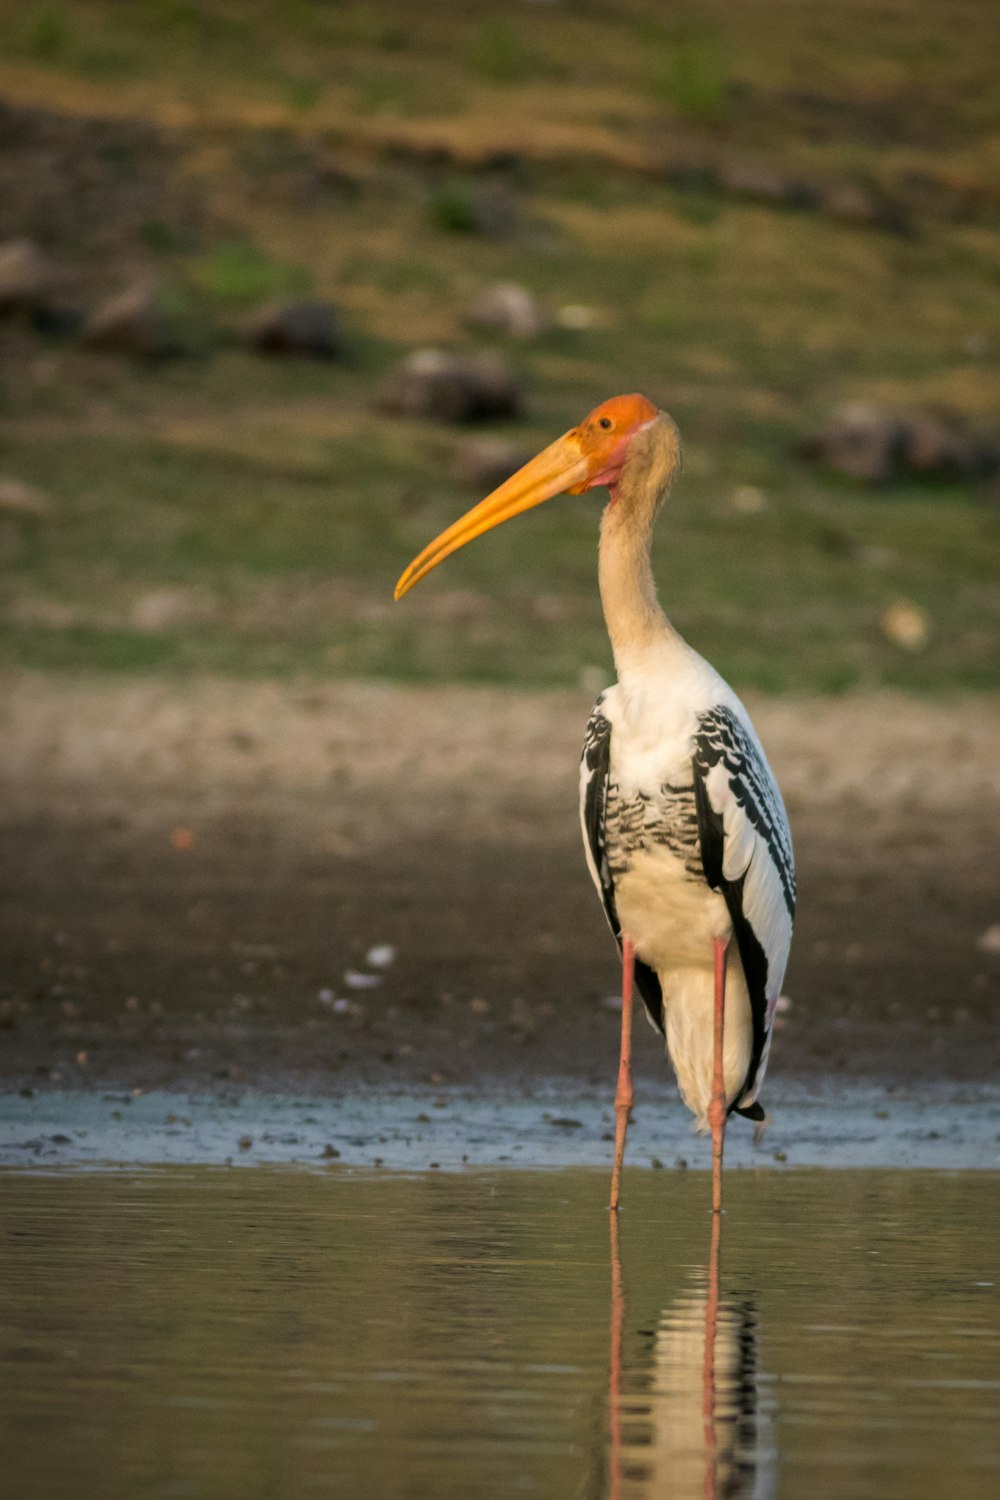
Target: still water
[198,1332]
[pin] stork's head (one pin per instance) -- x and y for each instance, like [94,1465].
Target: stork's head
[617,437]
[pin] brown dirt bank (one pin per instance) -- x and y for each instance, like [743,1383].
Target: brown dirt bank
[191,870]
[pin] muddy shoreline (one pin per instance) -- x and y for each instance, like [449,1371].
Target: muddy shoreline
[196,874]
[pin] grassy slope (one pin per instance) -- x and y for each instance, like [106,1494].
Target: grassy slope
[226,514]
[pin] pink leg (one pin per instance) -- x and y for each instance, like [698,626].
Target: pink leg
[717,1108]
[623,1095]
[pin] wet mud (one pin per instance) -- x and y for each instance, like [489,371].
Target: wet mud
[196,880]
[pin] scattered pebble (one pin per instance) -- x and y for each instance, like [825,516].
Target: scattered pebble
[381,956]
[906,625]
[989,941]
[355,980]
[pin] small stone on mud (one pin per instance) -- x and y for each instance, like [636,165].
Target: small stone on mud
[355,980]
[989,941]
[381,956]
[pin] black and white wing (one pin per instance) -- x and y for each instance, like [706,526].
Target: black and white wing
[595,772]
[746,850]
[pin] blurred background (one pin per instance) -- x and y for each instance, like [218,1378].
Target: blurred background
[284,287]
[225,224]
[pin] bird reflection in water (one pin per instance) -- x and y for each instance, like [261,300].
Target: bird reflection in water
[686,1422]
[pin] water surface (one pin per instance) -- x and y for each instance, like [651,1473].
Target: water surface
[201,1332]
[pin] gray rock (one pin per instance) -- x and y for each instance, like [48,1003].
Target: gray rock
[860,442]
[878,447]
[309,328]
[938,445]
[483,463]
[450,387]
[508,308]
[862,207]
[131,324]
[19,498]
[24,277]
[764,184]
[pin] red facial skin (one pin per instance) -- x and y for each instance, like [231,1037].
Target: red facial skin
[605,436]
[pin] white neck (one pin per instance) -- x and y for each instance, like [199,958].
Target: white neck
[636,623]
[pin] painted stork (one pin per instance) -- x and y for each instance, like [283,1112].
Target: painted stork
[684,828]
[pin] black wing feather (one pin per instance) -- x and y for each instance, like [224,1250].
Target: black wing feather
[597,759]
[720,738]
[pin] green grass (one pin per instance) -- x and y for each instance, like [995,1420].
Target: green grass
[281,560]
[235,514]
[239,272]
[498,52]
[691,73]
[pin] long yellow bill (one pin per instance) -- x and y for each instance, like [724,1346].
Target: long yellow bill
[559,468]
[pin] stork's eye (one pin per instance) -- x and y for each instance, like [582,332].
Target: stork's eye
[605,422]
